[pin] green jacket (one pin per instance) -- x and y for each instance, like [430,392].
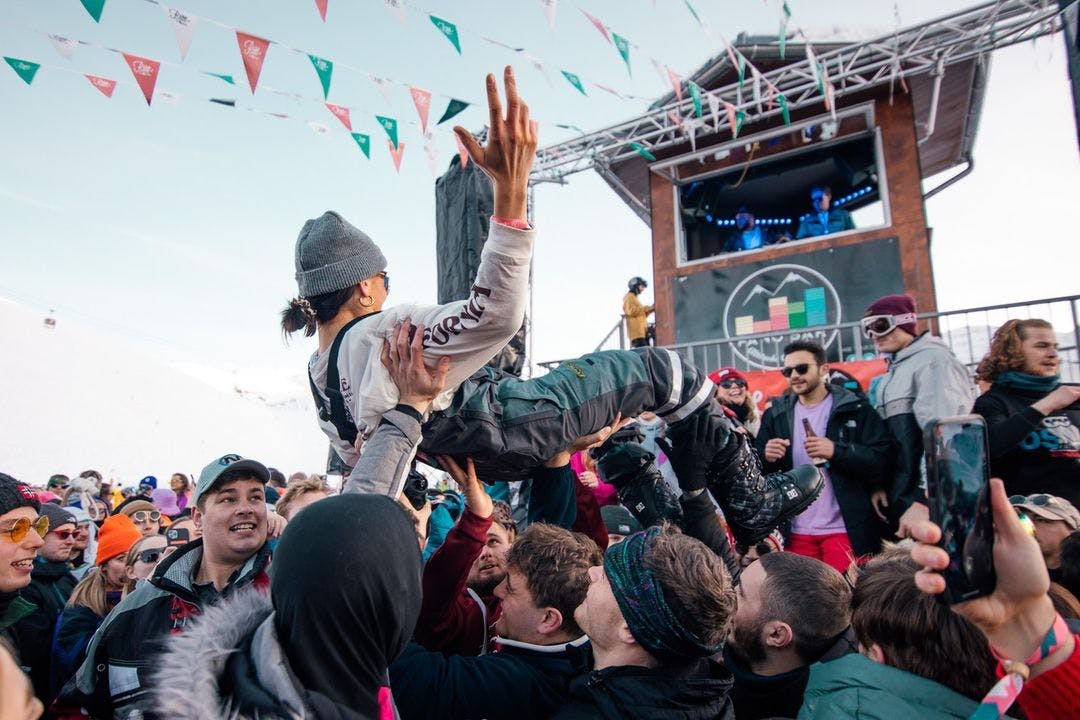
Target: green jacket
[855,686]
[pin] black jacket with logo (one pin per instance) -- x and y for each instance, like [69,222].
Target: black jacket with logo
[1030,452]
[50,587]
[860,463]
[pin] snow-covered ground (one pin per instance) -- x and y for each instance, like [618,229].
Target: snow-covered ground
[72,400]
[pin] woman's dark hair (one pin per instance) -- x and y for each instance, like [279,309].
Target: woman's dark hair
[307,313]
[183,479]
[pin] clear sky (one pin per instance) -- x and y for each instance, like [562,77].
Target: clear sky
[171,228]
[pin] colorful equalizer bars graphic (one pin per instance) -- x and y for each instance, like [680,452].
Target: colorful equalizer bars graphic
[785,314]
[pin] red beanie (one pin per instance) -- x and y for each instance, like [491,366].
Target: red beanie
[895,305]
[116,536]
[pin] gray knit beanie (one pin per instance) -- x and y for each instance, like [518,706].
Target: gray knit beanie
[332,255]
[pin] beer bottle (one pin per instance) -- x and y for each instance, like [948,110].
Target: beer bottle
[818,461]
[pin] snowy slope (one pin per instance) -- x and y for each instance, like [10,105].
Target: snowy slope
[71,400]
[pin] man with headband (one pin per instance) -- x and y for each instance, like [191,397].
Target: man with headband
[655,612]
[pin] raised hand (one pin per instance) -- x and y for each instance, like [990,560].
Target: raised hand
[403,357]
[508,155]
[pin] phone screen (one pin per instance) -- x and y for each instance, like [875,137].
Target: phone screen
[958,486]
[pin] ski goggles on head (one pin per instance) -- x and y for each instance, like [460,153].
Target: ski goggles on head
[19,528]
[875,326]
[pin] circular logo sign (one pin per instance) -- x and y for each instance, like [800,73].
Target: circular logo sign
[777,305]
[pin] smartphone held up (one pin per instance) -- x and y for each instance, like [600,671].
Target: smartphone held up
[958,489]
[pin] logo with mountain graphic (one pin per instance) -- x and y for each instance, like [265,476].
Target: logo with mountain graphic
[777,305]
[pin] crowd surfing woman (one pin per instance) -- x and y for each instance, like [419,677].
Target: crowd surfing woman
[1033,420]
[508,426]
[95,595]
[344,598]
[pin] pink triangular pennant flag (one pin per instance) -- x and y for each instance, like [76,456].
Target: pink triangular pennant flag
[605,88]
[64,46]
[422,99]
[396,153]
[675,118]
[321,4]
[463,154]
[598,25]
[184,27]
[145,71]
[341,113]
[105,85]
[733,121]
[676,83]
[253,53]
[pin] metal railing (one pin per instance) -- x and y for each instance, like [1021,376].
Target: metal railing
[967,332]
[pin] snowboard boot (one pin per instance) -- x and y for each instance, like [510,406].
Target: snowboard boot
[755,504]
[706,451]
[641,487]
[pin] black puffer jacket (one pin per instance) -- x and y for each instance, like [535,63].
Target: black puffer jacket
[859,465]
[50,587]
[698,691]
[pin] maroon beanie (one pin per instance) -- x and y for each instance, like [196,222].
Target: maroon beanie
[895,305]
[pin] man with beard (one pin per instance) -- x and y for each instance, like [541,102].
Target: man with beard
[793,611]
[459,580]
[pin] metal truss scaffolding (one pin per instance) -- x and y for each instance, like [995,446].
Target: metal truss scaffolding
[921,49]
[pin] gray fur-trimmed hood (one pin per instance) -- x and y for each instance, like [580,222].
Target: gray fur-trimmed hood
[187,681]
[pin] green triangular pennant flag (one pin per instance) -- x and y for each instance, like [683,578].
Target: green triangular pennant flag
[783,38]
[364,141]
[325,68]
[695,95]
[643,152]
[226,78]
[820,78]
[784,109]
[742,70]
[623,47]
[740,118]
[390,126]
[224,101]
[94,7]
[787,11]
[575,81]
[452,109]
[692,11]
[23,68]
[448,29]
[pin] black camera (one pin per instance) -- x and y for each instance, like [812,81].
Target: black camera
[415,490]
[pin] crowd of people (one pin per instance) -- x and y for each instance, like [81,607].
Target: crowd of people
[678,554]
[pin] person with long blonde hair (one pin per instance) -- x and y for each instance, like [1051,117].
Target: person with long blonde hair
[96,594]
[1032,417]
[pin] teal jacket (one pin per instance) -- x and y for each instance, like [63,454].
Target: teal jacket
[855,686]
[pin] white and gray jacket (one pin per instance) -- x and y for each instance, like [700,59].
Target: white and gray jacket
[470,332]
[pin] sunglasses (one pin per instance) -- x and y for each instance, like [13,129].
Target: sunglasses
[149,556]
[874,326]
[385,278]
[144,515]
[19,528]
[732,383]
[65,534]
[800,369]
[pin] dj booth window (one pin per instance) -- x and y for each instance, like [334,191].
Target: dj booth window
[755,192]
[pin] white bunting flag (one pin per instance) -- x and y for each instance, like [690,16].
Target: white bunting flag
[398,8]
[550,6]
[319,128]
[64,46]
[184,27]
